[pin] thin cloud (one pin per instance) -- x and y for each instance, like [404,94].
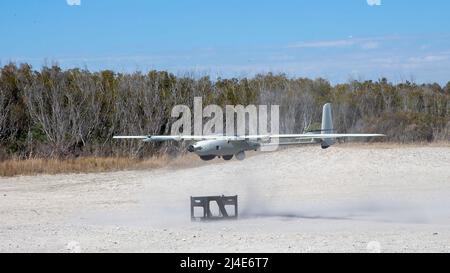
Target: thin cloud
[374,2]
[74,2]
[364,43]
[429,58]
[323,44]
[370,45]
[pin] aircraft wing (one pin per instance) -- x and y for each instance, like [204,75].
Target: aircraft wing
[247,137]
[130,137]
[319,136]
[176,138]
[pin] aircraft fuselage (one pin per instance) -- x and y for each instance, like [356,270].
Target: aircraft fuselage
[209,149]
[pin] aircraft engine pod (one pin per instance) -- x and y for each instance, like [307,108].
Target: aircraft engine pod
[227,157]
[240,156]
[325,146]
[207,157]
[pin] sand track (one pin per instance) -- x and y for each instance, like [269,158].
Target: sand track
[296,200]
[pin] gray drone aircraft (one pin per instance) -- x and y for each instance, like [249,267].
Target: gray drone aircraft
[227,147]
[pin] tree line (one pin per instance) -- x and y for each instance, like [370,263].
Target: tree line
[70,113]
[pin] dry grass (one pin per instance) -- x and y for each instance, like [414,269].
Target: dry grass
[37,166]
[16,167]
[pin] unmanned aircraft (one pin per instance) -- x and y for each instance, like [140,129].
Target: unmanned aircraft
[209,147]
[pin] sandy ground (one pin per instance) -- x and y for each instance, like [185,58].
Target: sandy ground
[344,199]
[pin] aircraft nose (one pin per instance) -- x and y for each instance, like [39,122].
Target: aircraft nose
[191,148]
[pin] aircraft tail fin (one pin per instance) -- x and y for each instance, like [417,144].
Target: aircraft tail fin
[327,125]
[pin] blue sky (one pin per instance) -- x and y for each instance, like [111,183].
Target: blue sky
[337,40]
